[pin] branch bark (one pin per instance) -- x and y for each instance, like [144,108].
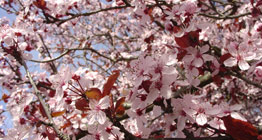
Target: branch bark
[45,107]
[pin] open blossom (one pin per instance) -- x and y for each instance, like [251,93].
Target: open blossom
[137,128]
[105,131]
[134,69]
[217,123]
[96,113]
[240,55]
[140,67]
[179,112]
[200,111]
[197,57]
[143,12]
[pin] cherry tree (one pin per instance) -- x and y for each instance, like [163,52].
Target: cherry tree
[131,69]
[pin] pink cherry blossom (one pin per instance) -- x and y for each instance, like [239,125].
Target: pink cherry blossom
[96,113]
[240,55]
[197,57]
[201,112]
[128,69]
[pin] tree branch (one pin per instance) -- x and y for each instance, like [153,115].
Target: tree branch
[225,17]
[238,75]
[195,138]
[50,60]
[45,107]
[73,16]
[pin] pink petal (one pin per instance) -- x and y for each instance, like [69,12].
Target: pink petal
[243,65]
[232,49]
[198,62]
[157,111]
[201,119]
[204,49]
[181,123]
[207,57]
[91,118]
[101,117]
[8,40]
[188,58]
[213,111]
[152,96]
[104,102]
[92,104]
[195,72]
[166,92]
[230,62]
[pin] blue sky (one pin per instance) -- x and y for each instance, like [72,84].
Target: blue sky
[8,121]
[3,13]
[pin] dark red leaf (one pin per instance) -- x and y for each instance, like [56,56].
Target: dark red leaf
[81,104]
[51,93]
[5,98]
[58,113]
[224,57]
[181,54]
[189,39]
[255,12]
[110,82]
[40,4]
[42,111]
[94,93]
[240,130]
[51,135]
[119,108]
[218,80]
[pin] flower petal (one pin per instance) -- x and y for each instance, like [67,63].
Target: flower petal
[101,117]
[181,123]
[243,65]
[198,62]
[188,58]
[207,57]
[104,102]
[230,62]
[91,117]
[201,119]
[204,49]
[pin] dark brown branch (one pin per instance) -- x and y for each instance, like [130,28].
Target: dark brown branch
[238,75]
[86,48]
[128,135]
[73,16]
[50,60]
[95,64]
[225,17]
[195,138]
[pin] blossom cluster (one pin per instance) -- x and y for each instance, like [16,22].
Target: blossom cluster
[130,69]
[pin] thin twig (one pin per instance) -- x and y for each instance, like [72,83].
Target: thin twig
[226,17]
[61,21]
[52,65]
[90,49]
[50,60]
